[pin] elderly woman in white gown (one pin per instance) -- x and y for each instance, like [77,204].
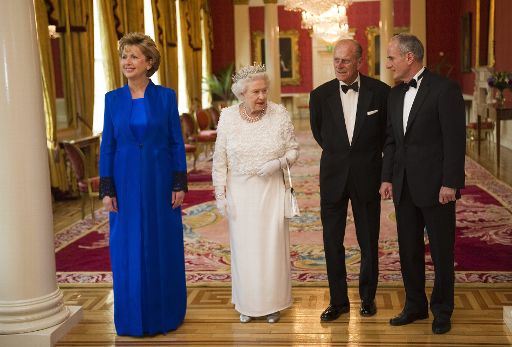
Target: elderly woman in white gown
[255,141]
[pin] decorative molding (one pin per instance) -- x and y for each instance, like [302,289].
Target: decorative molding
[33,314]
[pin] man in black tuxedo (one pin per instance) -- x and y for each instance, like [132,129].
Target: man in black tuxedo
[423,171]
[348,120]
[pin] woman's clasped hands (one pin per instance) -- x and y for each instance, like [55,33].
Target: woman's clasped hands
[269,168]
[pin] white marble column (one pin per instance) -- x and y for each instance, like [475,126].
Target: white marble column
[272,49]
[29,296]
[386,32]
[418,13]
[242,33]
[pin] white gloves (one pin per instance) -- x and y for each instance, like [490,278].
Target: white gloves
[274,165]
[221,202]
[290,156]
[222,206]
[270,167]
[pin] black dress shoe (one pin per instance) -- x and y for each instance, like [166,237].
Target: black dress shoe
[333,312]
[407,317]
[368,308]
[441,326]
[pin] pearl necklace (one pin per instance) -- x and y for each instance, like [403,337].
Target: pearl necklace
[251,119]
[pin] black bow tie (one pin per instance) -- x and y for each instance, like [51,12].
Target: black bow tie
[413,83]
[354,86]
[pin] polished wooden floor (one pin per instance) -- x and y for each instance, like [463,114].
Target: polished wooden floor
[212,321]
[487,158]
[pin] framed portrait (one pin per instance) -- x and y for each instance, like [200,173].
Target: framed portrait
[466,42]
[484,33]
[289,61]
[373,37]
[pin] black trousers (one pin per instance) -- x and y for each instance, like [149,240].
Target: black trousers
[367,223]
[439,221]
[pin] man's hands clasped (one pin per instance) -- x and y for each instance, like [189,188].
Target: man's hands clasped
[386,191]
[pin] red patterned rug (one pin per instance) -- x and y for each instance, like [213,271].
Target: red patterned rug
[483,251]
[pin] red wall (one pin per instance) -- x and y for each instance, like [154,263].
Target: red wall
[360,16]
[223,53]
[502,36]
[289,21]
[364,14]
[444,36]
[467,79]
[443,22]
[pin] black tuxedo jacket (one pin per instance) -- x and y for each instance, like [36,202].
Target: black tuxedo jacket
[363,159]
[432,151]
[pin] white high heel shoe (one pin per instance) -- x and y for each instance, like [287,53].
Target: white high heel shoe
[244,318]
[273,317]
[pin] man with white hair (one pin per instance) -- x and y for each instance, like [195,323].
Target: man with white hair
[348,120]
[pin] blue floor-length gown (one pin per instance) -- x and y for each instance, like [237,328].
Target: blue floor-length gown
[142,160]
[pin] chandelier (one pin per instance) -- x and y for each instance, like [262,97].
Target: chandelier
[327,18]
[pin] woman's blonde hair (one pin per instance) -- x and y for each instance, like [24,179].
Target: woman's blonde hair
[146,45]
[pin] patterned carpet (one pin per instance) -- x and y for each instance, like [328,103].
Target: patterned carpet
[483,243]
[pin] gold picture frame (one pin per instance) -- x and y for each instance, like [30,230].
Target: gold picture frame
[466,41]
[289,54]
[373,37]
[484,8]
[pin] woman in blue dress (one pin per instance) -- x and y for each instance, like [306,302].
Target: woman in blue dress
[143,183]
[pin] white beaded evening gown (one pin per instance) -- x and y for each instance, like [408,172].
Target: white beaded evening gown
[260,257]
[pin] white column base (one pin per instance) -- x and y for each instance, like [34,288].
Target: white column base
[47,337]
[507,317]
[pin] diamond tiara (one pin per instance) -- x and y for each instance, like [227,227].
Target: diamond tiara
[248,70]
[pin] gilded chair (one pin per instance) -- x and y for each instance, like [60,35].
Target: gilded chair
[214,116]
[480,130]
[204,139]
[87,186]
[486,130]
[205,129]
[205,123]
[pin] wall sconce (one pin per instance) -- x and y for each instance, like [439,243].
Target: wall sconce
[52,32]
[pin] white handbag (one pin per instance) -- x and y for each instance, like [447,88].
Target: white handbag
[291,207]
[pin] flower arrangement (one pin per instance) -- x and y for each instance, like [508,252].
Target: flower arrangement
[500,80]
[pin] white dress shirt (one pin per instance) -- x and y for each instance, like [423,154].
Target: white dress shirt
[349,104]
[409,98]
